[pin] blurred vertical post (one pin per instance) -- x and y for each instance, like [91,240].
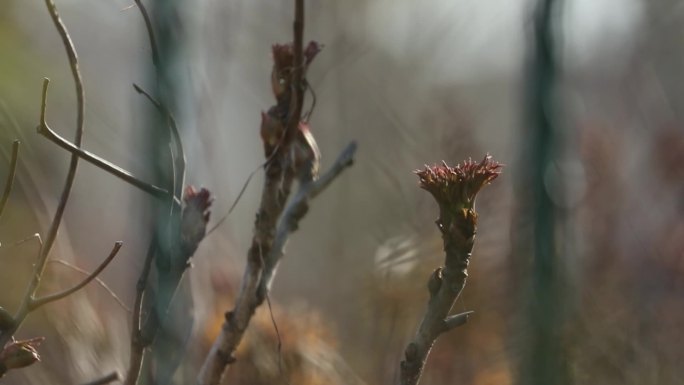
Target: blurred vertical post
[545,361]
[166,82]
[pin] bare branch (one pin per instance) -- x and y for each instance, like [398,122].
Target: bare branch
[296,210]
[111,168]
[108,379]
[281,169]
[10,176]
[38,302]
[259,272]
[71,173]
[150,32]
[97,280]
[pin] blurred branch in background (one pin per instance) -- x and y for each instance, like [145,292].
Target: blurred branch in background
[163,320]
[545,359]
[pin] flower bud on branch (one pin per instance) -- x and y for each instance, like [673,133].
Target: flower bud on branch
[454,189]
[19,354]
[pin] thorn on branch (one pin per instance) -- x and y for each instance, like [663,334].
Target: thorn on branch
[27,299]
[456,320]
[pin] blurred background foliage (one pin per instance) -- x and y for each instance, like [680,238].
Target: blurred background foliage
[413,83]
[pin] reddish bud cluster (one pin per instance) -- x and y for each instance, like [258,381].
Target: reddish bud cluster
[195,217]
[283,54]
[283,64]
[456,187]
[198,202]
[19,354]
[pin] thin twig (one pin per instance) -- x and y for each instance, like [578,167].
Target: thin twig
[108,379]
[277,331]
[97,280]
[21,241]
[95,160]
[307,116]
[280,341]
[235,202]
[38,302]
[10,176]
[138,344]
[150,32]
[71,174]
[179,158]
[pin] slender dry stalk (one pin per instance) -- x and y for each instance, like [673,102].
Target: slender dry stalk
[38,302]
[97,280]
[17,354]
[138,343]
[291,153]
[454,189]
[24,308]
[105,165]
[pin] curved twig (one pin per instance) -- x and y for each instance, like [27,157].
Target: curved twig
[97,280]
[179,158]
[150,32]
[38,302]
[235,202]
[22,241]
